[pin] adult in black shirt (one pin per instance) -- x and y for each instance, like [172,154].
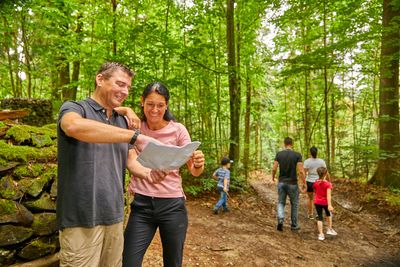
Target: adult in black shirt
[289,163]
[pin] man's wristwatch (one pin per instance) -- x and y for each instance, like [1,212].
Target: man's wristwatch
[134,137]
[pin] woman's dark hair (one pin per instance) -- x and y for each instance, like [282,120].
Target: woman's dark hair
[160,89]
[314,152]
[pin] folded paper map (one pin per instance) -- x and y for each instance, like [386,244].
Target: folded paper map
[166,157]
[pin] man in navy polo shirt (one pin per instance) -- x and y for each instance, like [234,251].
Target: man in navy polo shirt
[93,144]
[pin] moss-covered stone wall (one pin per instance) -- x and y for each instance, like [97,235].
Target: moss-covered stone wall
[28,189]
[40,110]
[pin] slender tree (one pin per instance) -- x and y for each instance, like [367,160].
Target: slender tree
[326,90]
[246,146]
[234,93]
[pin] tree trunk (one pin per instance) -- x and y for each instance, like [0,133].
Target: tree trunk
[256,126]
[326,92]
[114,26]
[238,75]
[333,134]
[17,68]
[234,94]
[9,58]
[64,79]
[217,120]
[247,127]
[165,49]
[354,127]
[286,112]
[27,56]
[76,65]
[388,171]
[307,112]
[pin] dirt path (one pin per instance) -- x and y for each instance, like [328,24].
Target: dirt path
[247,235]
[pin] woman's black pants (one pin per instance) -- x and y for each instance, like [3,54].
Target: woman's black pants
[169,215]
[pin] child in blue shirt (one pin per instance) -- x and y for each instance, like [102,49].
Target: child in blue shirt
[222,174]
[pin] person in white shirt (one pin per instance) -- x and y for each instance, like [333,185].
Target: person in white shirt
[310,166]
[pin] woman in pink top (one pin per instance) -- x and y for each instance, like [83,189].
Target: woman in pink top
[323,201]
[159,203]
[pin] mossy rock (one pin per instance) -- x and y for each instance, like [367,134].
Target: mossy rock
[3,129]
[29,170]
[13,212]
[7,206]
[39,140]
[39,248]
[3,163]
[11,234]
[7,257]
[44,223]
[37,136]
[50,171]
[27,153]
[52,127]
[44,203]
[34,186]
[7,166]
[53,190]
[19,133]
[9,188]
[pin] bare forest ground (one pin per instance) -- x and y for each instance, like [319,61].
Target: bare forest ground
[368,231]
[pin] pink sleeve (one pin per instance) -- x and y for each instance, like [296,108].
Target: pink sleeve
[183,136]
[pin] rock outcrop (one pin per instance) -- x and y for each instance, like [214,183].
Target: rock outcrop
[28,188]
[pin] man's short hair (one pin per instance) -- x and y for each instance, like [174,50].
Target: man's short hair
[108,68]
[288,141]
[314,152]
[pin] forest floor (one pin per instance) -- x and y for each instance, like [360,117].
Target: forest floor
[368,230]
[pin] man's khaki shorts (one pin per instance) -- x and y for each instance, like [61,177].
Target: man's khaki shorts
[101,245]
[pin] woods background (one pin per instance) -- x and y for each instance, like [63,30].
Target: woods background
[242,74]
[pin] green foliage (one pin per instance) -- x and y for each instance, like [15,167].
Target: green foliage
[393,197]
[239,184]
[289,50]
[201,185]
[393,200]
[395,190]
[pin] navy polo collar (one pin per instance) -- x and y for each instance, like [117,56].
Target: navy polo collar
[96,106]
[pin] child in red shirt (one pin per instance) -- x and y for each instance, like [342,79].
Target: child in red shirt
[323,201]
